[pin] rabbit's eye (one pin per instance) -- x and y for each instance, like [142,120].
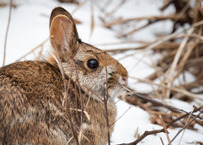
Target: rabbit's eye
[92,63]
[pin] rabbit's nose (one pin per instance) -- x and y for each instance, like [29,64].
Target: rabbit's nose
[125,79]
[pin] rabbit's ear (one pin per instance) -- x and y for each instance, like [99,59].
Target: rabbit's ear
[63,33]
[59,11]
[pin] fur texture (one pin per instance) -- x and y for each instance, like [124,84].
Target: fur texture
[39,106]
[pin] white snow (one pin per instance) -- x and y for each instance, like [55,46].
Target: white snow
[30,26]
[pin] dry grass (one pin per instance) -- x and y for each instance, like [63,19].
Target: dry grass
[181,52]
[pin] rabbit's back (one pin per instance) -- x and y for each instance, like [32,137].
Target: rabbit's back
[30,104]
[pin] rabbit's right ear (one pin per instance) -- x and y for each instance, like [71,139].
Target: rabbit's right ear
[63,33]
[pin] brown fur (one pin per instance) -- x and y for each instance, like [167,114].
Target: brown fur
[32,92]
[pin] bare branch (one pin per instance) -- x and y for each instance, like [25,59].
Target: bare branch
[106,101]
[186,125]
[6,36]
[147,133]
[32,50]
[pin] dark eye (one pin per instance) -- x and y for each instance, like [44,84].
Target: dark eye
[92,63]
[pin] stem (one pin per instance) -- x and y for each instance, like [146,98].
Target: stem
[105,103]
[6,36]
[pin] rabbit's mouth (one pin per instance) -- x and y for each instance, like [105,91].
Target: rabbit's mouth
[118,89]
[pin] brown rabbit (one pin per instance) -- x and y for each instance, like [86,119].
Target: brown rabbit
[60,101]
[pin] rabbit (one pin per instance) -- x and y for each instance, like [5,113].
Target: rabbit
[60,100]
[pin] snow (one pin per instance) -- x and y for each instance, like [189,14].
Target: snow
[30,26]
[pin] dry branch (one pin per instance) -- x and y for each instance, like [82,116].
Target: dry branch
[187,125]
[6,35]
[150,18]
[165,129]
[132,99]
[154,132]
[170,73]
[32,50]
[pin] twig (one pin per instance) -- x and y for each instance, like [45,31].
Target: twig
[116,8]
[121,116]
[150,18]
[6,36]
[126,49]
[80,5]
[124,42]
[165,129]
[186,126]
[32,50]
[184,130]
[137,29]
[106,101]
[92,20]
[153,101]
[161,141]
[198,24]
[185,58]
[162,46]
[147,133]
[181,13]
[184,92]
[185,115]
[156,43]
[171,72]
[165,4]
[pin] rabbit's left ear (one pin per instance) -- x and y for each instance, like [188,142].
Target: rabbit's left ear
[63,33]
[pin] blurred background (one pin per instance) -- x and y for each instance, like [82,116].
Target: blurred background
[160,43]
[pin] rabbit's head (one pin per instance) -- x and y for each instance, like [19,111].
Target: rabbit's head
[96,71]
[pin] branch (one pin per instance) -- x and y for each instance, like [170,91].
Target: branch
[6,36]
[106,101]
[147,133]
[150,18]
[186,126]
[32,50]
[131,100]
